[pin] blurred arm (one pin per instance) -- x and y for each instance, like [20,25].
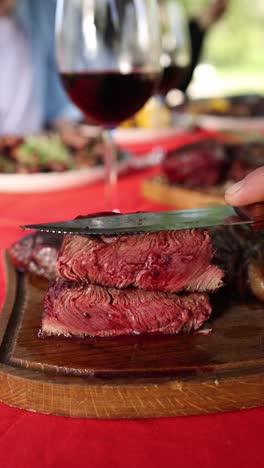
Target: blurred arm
[212,13]
[198,29]
[58,106]
[197,35]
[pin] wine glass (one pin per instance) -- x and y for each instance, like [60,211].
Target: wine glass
[108,56]
[176,46]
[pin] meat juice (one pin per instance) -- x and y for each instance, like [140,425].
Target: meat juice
[109,97]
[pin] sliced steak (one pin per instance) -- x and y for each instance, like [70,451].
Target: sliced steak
[89,310]
[37,253]
[166,261]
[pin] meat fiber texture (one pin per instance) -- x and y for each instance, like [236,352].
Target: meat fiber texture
[167,261]
[127,284]
[81,310]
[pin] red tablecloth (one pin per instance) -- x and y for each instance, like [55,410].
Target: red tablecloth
[33,440]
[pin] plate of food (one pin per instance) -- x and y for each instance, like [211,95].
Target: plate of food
[236,113]
[77,340]
[199,173]
[51,161]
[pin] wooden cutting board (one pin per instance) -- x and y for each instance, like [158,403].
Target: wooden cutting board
[139,376]
[158,189]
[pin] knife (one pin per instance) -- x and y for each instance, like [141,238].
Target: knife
[111,224]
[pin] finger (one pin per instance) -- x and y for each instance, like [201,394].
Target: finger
[247,191]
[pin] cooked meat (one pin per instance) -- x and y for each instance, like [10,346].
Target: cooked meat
[37,253]
[166,261]
[240,253]
[89,310]
[49,152]
[194,168]
[121,285]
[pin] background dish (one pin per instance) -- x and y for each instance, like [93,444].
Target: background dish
[53,161]
[137,136]
[237,113]
[45,182]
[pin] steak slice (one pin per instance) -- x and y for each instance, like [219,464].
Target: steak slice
[37,253]
[77,310]
[167,261]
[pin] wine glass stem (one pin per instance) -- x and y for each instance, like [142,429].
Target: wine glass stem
[110,152]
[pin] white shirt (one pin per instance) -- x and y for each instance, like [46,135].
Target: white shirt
[19,109]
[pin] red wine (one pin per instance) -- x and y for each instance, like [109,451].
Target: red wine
[109,98]
[173,77]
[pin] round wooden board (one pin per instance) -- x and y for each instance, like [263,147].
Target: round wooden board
[157,189]
[130,377]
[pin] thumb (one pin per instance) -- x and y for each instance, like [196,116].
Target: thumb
[247,191]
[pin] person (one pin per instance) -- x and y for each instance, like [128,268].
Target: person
[248,190]
[31,95]
[199,27]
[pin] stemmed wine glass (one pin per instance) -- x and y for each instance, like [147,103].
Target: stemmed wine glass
[176,46]
[108,56]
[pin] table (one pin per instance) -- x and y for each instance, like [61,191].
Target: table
[33,440]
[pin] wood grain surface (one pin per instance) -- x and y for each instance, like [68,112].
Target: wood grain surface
[139,376]
[157,189]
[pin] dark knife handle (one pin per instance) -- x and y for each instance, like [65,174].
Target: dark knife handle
[255,213]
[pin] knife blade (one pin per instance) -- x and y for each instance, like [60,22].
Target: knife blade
[223,215]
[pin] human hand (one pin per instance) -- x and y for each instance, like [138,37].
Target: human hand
[213,13]
[247,191]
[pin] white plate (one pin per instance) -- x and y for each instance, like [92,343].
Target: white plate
[133,136]
[49,181]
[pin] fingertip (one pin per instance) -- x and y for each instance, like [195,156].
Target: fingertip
[247,191]
[232,195]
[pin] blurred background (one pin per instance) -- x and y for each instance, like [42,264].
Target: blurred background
[44,129]
[233,50]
